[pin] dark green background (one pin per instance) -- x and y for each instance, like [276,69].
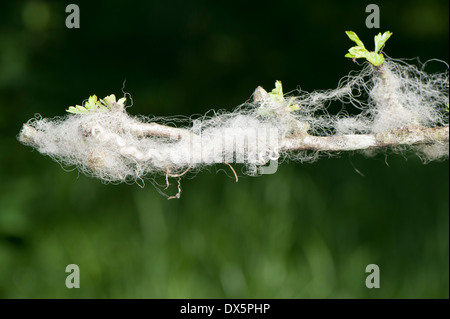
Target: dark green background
[307,231]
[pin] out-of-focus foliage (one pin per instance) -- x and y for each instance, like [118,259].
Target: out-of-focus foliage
[306,231]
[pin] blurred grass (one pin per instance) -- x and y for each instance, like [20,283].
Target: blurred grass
[307,231]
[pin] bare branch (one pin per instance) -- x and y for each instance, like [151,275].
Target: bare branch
[155,129]
[412,135]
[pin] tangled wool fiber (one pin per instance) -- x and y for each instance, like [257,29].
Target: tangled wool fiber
[399,95]
[106,142]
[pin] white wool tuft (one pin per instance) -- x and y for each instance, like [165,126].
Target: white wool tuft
[399,95]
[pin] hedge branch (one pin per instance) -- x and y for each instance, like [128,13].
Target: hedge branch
[405,136]
[401,107]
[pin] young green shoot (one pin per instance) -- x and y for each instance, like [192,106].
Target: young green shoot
[360,51]
[276,96]
[93,104]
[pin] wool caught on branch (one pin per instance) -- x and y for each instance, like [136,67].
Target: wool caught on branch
[399,107]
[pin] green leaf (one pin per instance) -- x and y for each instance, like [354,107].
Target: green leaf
[72,109]
[354,37]
[380,40]
[277,93]
[292,107]
[81,109]
[109,100]
[122,101]
[360,51]
[93,104]
[375,59]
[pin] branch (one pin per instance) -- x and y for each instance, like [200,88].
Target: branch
[413,135]
[405,136]
[155,129]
